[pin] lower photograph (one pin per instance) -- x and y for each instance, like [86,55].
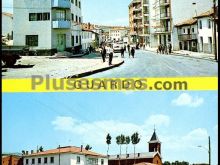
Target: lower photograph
[110,128]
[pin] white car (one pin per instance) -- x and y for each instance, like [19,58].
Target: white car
[117,48]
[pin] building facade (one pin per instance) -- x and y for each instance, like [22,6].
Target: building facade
[87,39]
[7,25]
[12,160]
[188,35]
[118,34]
[139,21]
[151,157]
[52,25]
[65,156]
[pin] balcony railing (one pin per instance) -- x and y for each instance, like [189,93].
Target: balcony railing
[164,2]
[165,15]
[61,4]
[61,24]
[162,30]
[138,16]
[185,37]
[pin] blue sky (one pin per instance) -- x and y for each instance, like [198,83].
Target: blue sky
[183,121]
[115,11]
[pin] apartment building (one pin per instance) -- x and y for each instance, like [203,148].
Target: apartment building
[165,14]
[139,21]
[118,34]
[47,25]
[7,25]
[65,156]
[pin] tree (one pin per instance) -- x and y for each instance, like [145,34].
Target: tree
[41,149]
[135,140]
[108,141]
[120,140]
[127,142]
[23,152]
[88,147]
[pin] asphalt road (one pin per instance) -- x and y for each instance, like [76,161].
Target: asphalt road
[149,64]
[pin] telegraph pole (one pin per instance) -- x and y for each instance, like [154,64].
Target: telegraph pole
[209,150]
[214,23]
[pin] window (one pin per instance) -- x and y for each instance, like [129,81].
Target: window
[39,16]
[184,30]
[39,161]
[200,24]
[209,24]
[76,2]
[80,5]
[102,161]
[33,161]
[193,30]
[46,16]
[45,160]
[51,159]
[32,40]
[76,18]
[27,161]
[78,159]
[72,1]
[79,19]
[32,17]
[72,17]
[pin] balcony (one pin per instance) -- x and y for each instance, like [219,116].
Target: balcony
[61,24]
[164,3]
[138,8]
[165,15]
[187,37]
[66,4]
[162,30]
[139,16]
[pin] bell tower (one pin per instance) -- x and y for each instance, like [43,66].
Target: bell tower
[154,143]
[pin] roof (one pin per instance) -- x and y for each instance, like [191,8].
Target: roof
[68,149]
[206,14]
[7,14]
[145,163]
[191,21]
[137,156]
[154,138]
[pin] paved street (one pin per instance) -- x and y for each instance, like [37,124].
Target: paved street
[149,64]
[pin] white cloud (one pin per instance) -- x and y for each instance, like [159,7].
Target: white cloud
[188,100]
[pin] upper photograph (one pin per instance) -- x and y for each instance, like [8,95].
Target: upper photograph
[109,39]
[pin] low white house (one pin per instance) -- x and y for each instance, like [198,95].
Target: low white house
[65,156]
[206,32]
[87,38]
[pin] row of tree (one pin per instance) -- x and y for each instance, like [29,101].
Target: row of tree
[124,140]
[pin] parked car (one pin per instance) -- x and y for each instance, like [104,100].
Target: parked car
[117,48]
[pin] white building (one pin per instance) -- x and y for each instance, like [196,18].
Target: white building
[7,25]
[165,14]
[87,38]
[118,34]
[44,25]
[206,32]
[65,156]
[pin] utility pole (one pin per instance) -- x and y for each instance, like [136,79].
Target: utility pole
[59,154]
[209,150]
[214,23]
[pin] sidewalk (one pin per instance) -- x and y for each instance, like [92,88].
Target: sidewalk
[59,68]
[186,53]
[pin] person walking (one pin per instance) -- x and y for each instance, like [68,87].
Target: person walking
[165,49]
[90,49]
[122,52]
[129,52]
[125,48]
[170,48]
[103,53]
[132,52]
[110,52]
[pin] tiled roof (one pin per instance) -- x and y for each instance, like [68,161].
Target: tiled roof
[68,149]
[206,14]
[7,14]
[191,21]
[137,156]
[145,163]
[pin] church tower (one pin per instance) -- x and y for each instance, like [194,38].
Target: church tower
[154,143]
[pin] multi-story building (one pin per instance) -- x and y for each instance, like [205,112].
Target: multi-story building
[7,25]
[47,26]
[118,34]
[151,157]
[188,35]
[139,21]
[12,160]
[166,14]
[65,156]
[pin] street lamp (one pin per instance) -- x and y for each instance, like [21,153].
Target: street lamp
[207,149]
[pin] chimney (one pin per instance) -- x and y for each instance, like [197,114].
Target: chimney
[81,148]
[26,152]
[89,25]
[32,151]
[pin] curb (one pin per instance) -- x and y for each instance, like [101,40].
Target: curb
[81,75]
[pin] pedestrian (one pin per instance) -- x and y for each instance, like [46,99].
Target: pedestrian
[132,52]
[103,53]
[165,49]
[110,51]
[129,52]
[170,48]
[144,46]
[90,49]
[125,48]
[122,52]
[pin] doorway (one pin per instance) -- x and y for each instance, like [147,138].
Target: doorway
[61,42]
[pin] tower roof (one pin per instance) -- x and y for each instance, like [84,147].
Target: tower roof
[154,138]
